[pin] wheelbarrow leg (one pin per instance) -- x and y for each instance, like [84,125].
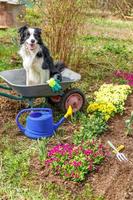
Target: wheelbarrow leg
[30,102]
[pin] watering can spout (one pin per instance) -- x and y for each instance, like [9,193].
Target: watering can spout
[68,113]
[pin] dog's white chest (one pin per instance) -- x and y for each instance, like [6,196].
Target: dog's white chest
[31,61]
[28,62]
[37,64]
[33,66]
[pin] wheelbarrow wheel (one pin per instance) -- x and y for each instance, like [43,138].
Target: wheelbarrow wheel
[73,97]
[54,100]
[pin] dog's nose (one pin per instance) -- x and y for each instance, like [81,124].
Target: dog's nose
[32,41]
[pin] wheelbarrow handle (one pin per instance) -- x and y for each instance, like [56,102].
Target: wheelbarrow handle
[5,87]
[22,128]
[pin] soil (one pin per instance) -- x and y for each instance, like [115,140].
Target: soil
[114,180]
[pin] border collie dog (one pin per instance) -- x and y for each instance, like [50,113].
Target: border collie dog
[37,61]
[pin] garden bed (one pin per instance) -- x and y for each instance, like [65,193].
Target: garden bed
[113,179]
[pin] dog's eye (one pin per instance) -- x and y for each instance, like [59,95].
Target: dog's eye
[35,34]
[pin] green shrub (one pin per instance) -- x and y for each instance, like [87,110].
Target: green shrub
[91,127]
[33,16]
[115,48]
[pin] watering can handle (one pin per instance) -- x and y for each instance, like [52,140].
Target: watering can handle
[22,128]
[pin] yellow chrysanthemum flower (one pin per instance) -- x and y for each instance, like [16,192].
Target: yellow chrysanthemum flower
[110,99]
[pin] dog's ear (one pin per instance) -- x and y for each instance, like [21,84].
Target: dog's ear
[38,31]
[22,29]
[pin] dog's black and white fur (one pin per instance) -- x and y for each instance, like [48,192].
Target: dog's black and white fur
[37,61]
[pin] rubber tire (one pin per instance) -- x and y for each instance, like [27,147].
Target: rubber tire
[67,94]
[51,102]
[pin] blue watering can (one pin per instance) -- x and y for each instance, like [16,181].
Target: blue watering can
[39,123]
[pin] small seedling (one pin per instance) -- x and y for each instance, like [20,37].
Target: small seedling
[42,146]
[128,125]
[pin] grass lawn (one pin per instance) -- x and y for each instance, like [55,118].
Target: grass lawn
[104,54]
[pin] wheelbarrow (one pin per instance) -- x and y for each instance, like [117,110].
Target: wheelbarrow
[16,80]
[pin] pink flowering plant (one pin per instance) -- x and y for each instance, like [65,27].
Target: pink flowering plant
[127,76]
[74,162]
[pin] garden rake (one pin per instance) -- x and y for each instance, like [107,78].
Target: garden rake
[120,156]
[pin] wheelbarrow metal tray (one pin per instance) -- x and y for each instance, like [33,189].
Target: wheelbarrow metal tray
[16,79]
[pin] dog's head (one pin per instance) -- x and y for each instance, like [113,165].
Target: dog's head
[30,37]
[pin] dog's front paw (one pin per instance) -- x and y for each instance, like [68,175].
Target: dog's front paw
[58,77]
